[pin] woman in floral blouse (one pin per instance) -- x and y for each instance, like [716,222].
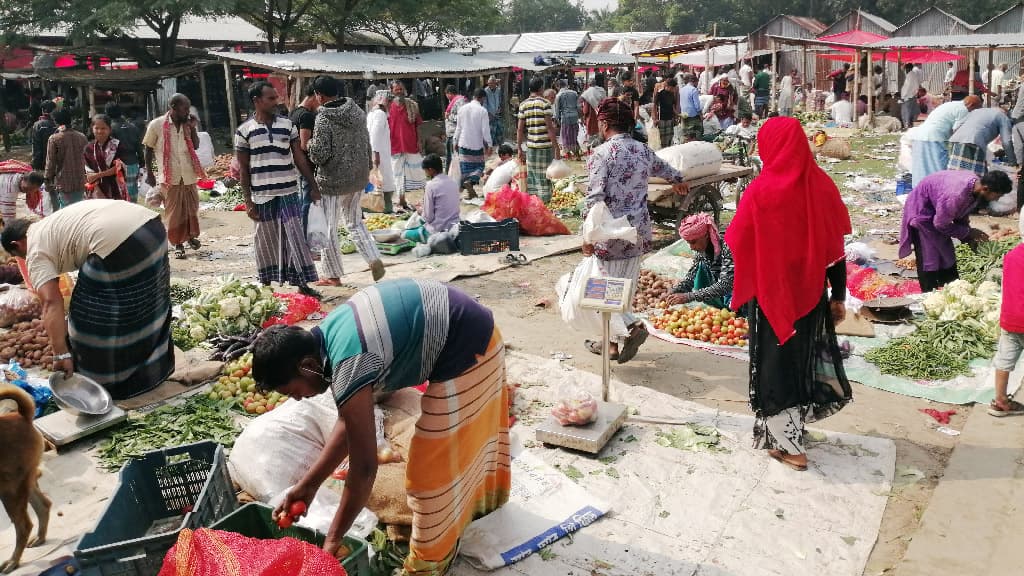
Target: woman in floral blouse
[619,172]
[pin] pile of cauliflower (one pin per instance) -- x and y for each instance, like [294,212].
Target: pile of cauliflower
[229,307]
[960,300]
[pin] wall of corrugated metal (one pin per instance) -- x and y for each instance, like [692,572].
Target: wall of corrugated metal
[1009,23]
[932,23]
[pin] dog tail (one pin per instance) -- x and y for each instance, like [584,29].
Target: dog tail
[26,406]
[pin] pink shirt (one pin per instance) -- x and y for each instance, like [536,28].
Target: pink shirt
[1011,317]
[405,137]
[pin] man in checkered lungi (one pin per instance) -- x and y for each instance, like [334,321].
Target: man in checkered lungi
[967,145]
[538,143]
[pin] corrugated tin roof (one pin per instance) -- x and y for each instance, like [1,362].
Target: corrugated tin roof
[810,24]
[639,46]
[371,65]
[1000,15]
[490,43]
[600,46]
[878,20]
[954,41]
[605,36]
[699,43]
[212,29]
[551,42]
[940,11]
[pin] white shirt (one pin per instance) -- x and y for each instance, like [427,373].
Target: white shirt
[501,176]
[473,129]
[950,74]
[910,85]
[746,75]
[380,134]
[842,112]
[997,80]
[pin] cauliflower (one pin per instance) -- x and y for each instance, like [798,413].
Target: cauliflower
[987,289]
[197,333]
[934,302]
[958,288]
[244,303]
[229,308]
[251,293]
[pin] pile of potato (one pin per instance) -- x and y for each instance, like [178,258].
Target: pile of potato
[651,291]
[28,344]
[221,165]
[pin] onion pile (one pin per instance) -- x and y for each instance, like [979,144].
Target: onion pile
[651,291]
[28,344]
[221,166]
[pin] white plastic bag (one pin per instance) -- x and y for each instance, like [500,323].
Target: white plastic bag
[477,216]
[601,226]
[558,170]
[653,136]
[570,292]
[576,407]
[414,221]
[321,512]
[205,151]
[455,169]
[317,235]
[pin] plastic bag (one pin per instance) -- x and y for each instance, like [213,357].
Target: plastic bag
[321,511]
[601,226]
[317,235]
[372,202]
[414,221]
[558,170]
[534,217]
[298,307]
[478,216]
[570,292]
[14,374]
[653,136]
[455,168]
[206,552]
[18,305]
[576,407]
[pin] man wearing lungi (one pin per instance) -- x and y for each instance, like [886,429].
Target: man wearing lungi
[404,121]
[171,141]
[473,139]
[930,152]
[118,328]
[267,149]
[969,142]
[538,144]
[495,105]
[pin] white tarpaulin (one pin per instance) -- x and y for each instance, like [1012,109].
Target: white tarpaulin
[731,512]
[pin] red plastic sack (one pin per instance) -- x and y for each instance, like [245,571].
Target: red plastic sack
[206,552]
[534,217]
[298,308]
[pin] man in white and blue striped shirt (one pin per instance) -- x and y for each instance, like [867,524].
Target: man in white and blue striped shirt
[267,148]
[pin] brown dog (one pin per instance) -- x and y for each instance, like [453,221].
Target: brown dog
[19,473]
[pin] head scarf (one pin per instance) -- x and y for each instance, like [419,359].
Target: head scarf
[380,98]
[972,100]
[694,227]
[788,229]
[618,115]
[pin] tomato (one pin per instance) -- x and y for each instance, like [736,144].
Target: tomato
[284,521]
[340,474]
[298,508]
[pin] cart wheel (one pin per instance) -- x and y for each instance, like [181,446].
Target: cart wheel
[706,199]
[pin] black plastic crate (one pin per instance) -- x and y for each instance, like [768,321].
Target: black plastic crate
[488,237]
[256,521]
[157,496]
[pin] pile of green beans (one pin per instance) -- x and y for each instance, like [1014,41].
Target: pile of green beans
[937,350]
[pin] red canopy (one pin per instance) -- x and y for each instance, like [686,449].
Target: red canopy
[862,38]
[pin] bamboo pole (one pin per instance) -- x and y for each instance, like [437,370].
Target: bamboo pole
[773,102]
[232,109]
[970,71]
[203,94]
[871,93]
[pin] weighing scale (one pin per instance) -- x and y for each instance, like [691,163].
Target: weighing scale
[606,295]
[62,427]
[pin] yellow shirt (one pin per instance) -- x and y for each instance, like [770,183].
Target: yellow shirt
[180,165]
[63,241]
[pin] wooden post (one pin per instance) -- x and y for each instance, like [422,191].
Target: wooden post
[871,94]
[81,104]
[205,97]
[970,71]
[736,46]
[773,102]
[230,91]
[803,73]
[707,63]
[992,89]
[92,101]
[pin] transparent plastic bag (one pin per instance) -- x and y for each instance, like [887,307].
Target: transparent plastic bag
[576,407]
[316,232]
[558,170]
[18,305]
[601,226]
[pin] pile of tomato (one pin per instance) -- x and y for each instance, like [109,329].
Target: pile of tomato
[704,323]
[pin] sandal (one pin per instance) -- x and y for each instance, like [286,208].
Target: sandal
[179,251]
[637,336]
[1011,408]
[333,282]
[195,243]
[780,456]
[594,347]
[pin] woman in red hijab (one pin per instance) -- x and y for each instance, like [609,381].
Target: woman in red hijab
[786,240]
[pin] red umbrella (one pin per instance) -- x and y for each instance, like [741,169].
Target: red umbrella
[862,38]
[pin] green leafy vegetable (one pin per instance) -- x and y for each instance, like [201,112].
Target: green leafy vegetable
[691,437]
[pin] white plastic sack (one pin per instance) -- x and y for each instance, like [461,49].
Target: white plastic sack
[501,176]
[570,292]
[317,234]
[1007,203]
[544,506]
[205,151]
[276,448]
[693,159]
[558,170]
[905,161]
[601,226]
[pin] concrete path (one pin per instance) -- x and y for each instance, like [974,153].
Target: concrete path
[973,524]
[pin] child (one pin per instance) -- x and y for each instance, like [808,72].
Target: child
[1011,340]
[501,175]
[745,129]
[440,209]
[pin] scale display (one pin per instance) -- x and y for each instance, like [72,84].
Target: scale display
[606,294]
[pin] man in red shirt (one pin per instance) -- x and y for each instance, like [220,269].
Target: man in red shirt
[404,121]
[1011,340]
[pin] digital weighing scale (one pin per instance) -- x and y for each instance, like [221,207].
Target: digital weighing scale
[606,295]
[62,428]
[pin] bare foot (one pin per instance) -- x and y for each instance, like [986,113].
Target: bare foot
[328,282]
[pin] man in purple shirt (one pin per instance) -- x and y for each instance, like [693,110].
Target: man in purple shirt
[440,208]
[938,210]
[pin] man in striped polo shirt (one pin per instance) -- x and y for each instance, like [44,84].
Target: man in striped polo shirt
[538,145]
[268,152]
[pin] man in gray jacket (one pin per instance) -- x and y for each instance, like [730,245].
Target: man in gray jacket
[340,149]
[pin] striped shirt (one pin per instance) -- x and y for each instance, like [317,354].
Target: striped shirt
[271,167]
[535,111]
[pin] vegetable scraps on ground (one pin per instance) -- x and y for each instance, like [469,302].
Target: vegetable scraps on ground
[197,418]
[961,324]
[228,308]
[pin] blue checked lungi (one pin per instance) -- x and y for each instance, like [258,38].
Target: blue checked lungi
[282,254]
[131,180]
[471,164]
[964,156]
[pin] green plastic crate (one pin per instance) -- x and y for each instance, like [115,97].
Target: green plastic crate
[255,520]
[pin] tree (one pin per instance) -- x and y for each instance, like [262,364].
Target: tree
[543,16]
[113,19]
[279,19]
[333,21]
[414,22]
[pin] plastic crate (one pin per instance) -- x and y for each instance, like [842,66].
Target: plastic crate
[190,482]
[256,521]
[488,237]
